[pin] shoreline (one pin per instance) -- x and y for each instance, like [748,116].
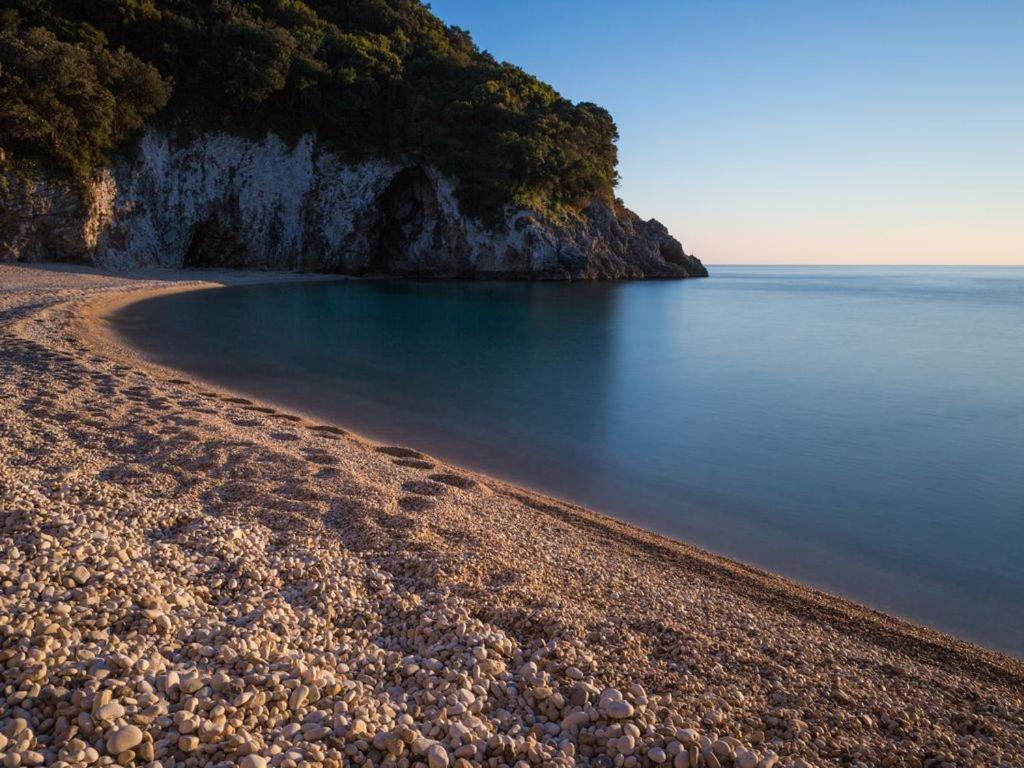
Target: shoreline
[93,319]
[467,515]
[93,325]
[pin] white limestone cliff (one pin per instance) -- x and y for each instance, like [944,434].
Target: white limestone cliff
[224,200]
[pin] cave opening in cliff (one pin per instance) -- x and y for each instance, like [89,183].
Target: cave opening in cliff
[408,216]
[215,242]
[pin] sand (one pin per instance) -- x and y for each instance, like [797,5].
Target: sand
[211,580]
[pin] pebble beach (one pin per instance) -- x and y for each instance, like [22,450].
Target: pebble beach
[192,578]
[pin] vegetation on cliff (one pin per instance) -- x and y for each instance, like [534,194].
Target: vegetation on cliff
[373,77]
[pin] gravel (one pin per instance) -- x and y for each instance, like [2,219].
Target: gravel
[181,586]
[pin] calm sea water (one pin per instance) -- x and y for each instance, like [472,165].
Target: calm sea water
[858,429]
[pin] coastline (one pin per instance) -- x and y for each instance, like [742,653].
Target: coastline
[923,642]
[692,629]
[92,320]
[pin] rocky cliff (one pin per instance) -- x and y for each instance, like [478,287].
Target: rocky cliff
[223,200]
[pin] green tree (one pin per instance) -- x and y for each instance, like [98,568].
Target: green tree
[375,77]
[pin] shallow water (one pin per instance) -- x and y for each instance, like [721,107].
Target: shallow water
[858,429]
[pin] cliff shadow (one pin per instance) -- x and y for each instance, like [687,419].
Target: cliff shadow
[216,241]
[413,233]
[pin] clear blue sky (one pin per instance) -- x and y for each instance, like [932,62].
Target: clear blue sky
[814,132]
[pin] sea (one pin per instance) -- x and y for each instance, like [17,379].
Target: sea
[857,429]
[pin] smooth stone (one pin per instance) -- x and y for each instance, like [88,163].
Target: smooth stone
[298,698]
[124,738]
[109,712]
[617,710]
[722,748]
[626,745]
[437,756]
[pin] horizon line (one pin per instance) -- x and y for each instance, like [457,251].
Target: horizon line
[852,264]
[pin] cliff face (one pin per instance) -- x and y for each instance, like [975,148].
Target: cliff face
[222,200]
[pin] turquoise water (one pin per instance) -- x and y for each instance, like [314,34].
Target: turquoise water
[858,429]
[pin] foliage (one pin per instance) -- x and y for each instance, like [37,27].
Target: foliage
[70,103]
[374,77]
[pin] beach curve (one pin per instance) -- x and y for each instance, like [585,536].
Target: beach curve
[693,645]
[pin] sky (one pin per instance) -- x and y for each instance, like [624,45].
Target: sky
[796,132]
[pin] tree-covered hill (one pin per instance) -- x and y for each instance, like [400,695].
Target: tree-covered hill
[372,77]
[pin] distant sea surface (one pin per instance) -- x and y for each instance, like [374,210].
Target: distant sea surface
[857,429]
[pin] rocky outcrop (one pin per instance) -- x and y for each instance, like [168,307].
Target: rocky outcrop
[43,219]
[224,200]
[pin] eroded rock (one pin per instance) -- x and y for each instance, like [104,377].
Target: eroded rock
[219,200]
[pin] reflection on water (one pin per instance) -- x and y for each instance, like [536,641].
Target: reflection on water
[857,429]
